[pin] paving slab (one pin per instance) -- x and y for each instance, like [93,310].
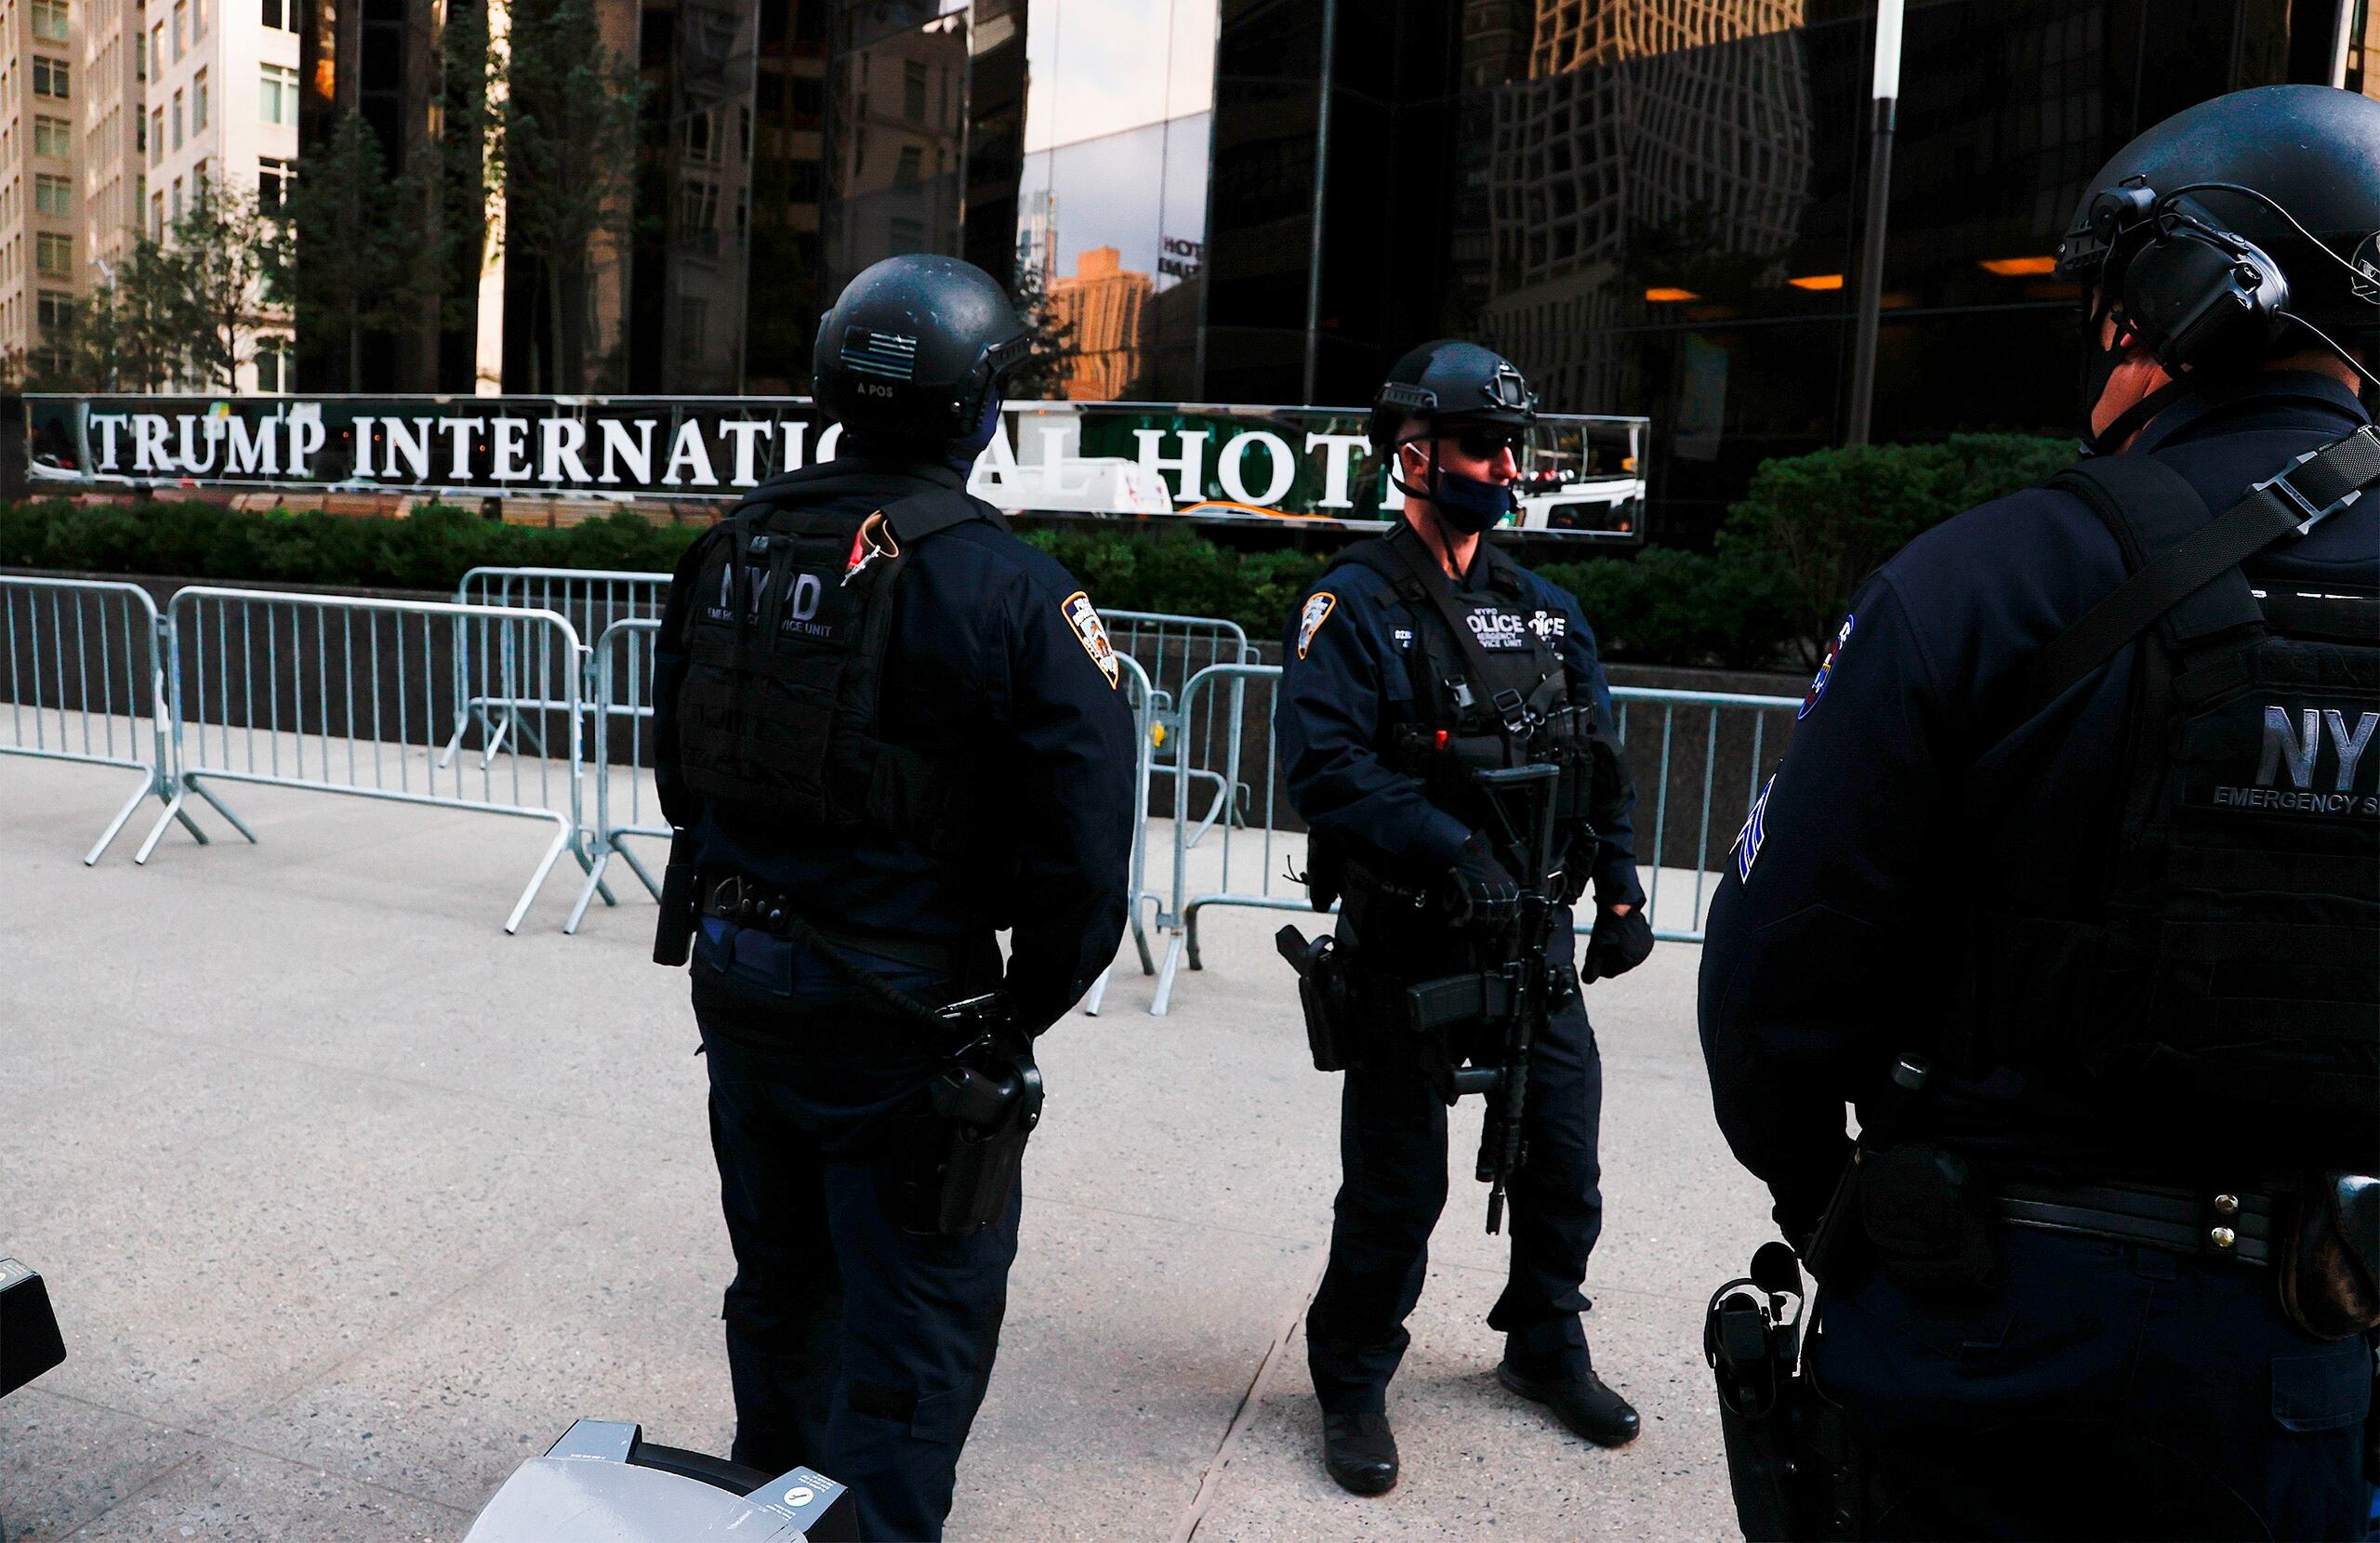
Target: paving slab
[348,1202]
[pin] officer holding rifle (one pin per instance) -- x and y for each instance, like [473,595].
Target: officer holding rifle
[885,729]
[1445,731]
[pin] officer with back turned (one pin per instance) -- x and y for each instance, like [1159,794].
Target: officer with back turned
[1445,729]
[886,728]
[2071,881]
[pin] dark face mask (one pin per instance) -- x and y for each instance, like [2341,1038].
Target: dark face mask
[1468,504]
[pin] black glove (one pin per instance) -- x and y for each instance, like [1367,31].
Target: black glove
[1484,894]
[1619,946]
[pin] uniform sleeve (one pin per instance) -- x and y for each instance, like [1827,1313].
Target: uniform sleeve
[1073,738]
[1615,875]
[678,805]
[1329,720]
[1812,981]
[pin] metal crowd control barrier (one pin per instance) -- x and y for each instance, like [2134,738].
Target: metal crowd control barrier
[1171,651]
[1659,838]
[340,694]
[1141,699]
[620,708]
[497,693]
[86,674]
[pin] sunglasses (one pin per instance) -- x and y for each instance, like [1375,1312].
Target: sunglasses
[1483,443]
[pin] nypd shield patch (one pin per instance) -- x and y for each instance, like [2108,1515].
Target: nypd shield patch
[1092,634]
[1318,609]
[1825,676]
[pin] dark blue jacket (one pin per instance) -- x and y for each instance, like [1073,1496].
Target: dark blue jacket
[982,655]
[1912,791]
[1346,684]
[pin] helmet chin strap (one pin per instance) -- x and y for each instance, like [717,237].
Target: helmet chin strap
[2112,440]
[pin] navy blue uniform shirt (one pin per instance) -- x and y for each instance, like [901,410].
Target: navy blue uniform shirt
[1909,793]
[1347,683]
[982,655]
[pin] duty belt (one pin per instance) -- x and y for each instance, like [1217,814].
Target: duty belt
[747,903]
[2204,1223]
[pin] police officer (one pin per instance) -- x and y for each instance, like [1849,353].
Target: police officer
[2071,881]
[888,729]
[1409,649]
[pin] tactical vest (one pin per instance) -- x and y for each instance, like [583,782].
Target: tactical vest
[786,635]
[2232,982]
[1488,687]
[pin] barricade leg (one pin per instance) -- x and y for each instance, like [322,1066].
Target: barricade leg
[588,891]
[1164,997]
[151,787]
[545,865]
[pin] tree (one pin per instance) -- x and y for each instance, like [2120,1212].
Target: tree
[130,333]
[568,143]
[225,250]
[1044,374]
[357,257]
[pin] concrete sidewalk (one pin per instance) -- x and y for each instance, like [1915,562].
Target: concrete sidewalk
[348,1203]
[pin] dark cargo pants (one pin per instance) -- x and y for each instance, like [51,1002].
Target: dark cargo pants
[2101,1390]
[1392,1157]
[856,1347]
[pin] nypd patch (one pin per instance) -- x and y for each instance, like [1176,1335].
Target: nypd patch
[1825,676]
[1317,610]
[1756,831]
[1092,634]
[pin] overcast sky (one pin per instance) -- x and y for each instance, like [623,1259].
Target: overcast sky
[1102,66]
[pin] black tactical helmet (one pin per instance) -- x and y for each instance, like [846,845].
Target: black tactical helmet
[1450,383]
[2312,150]
[913,352]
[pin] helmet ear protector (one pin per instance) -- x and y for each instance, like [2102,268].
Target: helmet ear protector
[2189,291]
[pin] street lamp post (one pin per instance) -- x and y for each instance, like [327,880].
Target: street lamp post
[1871,255]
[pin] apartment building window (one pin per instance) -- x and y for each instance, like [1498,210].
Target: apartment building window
[156,135]
[198,19]
[140,56]
[913,91]
[157,46]
[698,205]
[177,120]
[53,195]
[140,134]
[54,253]
[53,137]
[906,170]
[50,78]
[276,361]
[277,95]
[176,205]
[156,217]
[698,138]
[49,20]
[54,308]
[274,178]
[281,15]
[181,29]
[198,103]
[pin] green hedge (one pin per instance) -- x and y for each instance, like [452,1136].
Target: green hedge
[1787,558]
[431,551]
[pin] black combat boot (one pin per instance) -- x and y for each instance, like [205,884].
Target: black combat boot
[1579,1399]
[1360,1451]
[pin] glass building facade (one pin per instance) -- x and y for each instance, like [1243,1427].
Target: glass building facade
[1651,205]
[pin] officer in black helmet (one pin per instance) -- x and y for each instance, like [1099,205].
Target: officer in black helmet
[2070,882]
[1413,658]
[886,728]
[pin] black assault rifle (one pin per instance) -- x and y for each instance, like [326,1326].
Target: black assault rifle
[1512,991]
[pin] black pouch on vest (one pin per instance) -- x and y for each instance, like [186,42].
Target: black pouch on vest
[1325,993]
[2330,1260]
[1927,1215]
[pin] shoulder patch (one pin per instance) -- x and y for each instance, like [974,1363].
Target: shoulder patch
[1755,831]
[1319,607]
[1825,676]
[1092,634]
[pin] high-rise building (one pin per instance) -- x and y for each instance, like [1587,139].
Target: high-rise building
[43,249]
[114,144]
[1108,309]
[223,102]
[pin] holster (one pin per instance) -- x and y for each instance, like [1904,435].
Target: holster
[674,933]
[972,1148]
[2329,1259]
[1326,993]
[1793,1467]
[1916,1212]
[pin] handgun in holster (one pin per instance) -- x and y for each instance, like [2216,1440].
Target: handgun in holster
[987,1104]
[1326,993]
[673,934]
